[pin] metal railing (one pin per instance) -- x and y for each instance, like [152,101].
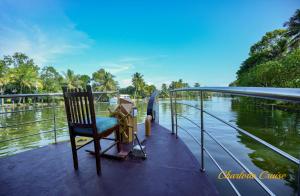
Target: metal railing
[51,105]
[283,94]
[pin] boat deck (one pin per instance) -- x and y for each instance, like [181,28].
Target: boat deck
[170,169]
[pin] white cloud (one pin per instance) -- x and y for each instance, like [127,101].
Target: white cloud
[42,42]
[125,82]
[115,68]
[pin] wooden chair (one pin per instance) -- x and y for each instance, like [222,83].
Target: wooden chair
[82,121]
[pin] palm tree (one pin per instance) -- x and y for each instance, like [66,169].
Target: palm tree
[164,91]
[138,83]
[293,29]
[71,79]
[104,81]
[25,77]
[3,75]
[4,79]
[21,72]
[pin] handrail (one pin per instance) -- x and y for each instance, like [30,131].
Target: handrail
[52,106]
[26,110]
[220,168]
[41,132]
[275,149]
[284,94]
[51,94]
[228,152]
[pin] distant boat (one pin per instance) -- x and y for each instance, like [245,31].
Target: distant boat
[114,100]
[124,96]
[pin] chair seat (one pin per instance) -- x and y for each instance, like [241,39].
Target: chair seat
[102,123]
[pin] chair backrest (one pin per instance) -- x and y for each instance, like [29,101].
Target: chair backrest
[79,105]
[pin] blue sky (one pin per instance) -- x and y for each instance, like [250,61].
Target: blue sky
[198,41]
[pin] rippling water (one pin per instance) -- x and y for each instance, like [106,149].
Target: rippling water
[277,127]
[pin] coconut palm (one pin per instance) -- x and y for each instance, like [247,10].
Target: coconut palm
[24,77]
[138,83]
[4,79]
[71,79]
[104,81]
[293,29]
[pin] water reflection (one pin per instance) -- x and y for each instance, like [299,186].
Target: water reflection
[40,132]
[277,127]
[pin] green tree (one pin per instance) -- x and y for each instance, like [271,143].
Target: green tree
[149,89]
[164,91]
[138,83]
[4,79]
[104,81]
[290,73]
[273,45]
[128,90]
[24,75]
[51,79]
[85,80]
[71,79]
[293,29]
[284,72]
[196,84]
[178,84]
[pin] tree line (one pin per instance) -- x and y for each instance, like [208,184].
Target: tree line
[20,75]
[274,61]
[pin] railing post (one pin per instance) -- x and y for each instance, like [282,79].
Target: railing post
[172,112]
[298,179]
[118,97]
[175,110]
[54,119]
[202,132]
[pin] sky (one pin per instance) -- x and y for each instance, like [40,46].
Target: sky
[201,41]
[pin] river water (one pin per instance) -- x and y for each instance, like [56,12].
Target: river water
[277,127]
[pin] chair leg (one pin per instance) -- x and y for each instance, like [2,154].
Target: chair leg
[97,154]
[74,152]
[118,138]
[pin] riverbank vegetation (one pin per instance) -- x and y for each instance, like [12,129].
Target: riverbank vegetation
[20,75]
[274,61]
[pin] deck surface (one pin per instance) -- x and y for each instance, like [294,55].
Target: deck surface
[170,169]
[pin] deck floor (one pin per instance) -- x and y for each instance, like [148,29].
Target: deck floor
[170,169]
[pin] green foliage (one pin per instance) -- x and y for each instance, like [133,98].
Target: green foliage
[272,45]
[284,72]
[148,90]
[4,79]
[139,84]
[291,69]
[196,84]
[19,74]
[178,84]
[103,81]
[23,75]
[71,79]
[85,80]
[51,79]
[164,93]
[293,30]
[274,61]
[128,90]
